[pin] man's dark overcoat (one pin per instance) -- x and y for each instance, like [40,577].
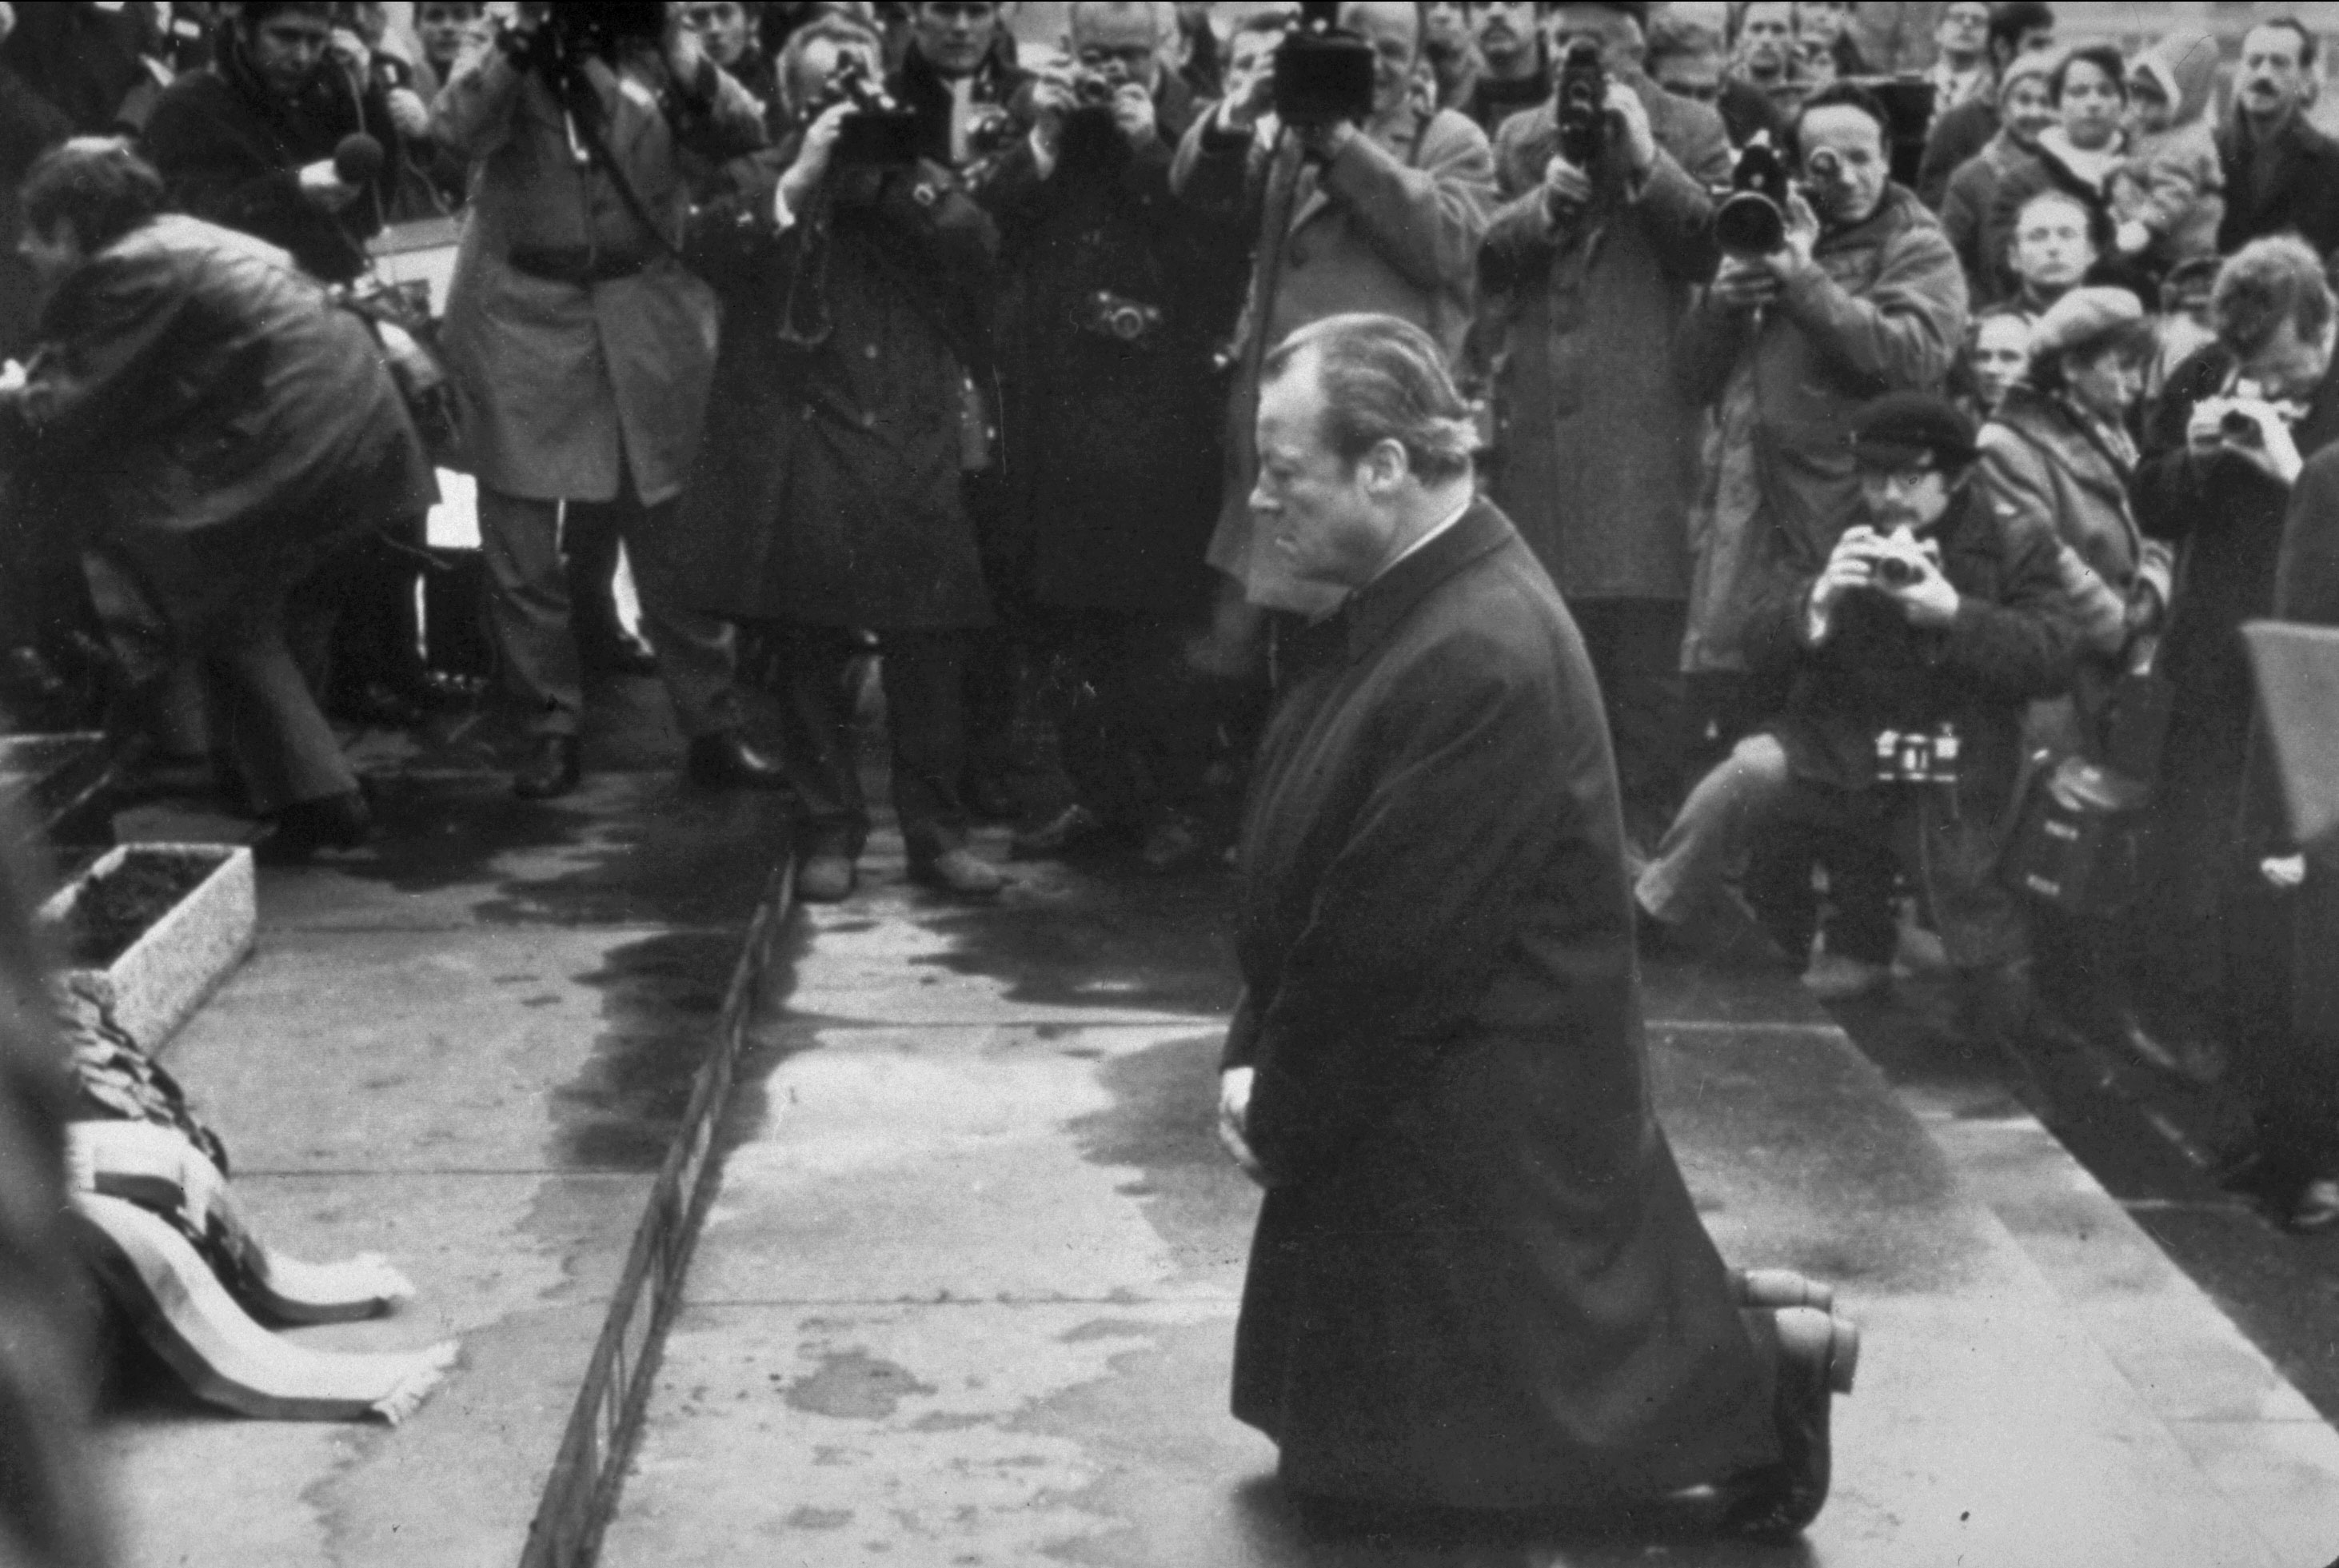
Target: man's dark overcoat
[1478,1279]
[230,149]
[1112,445]
[829,490]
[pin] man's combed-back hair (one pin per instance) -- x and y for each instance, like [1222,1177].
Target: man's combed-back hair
[1384,379]
[97,184]
[2266,283]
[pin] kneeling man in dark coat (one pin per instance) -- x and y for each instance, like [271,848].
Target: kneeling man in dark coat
[1478,1282]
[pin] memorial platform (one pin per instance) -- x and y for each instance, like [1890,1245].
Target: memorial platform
[966,1295]
[470,1049]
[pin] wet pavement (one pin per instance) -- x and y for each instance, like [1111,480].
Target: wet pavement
[966,1295]
[466,1049]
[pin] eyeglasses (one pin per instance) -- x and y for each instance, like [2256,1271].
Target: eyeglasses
[1136,58]
[1695,91]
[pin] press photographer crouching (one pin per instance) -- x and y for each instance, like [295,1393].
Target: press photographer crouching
[1907,660]
[212,428]
[829,499]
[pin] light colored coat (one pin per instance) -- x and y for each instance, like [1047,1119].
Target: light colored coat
[1598,450]
[1392,225]
[566,386]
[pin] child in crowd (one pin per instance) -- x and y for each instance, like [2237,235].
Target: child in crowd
[2167,198]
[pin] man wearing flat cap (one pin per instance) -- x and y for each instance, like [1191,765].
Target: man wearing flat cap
[1908,659]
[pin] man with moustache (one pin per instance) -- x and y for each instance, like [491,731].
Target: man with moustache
[1384,216]
[1512,75]
[2281,173]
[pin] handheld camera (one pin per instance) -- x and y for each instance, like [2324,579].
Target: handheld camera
[1323,72]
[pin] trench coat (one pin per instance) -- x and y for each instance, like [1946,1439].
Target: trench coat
[1392,226]
[1597,445]
[1112,446]
[567,386]
[1478,1279]
[203,413]
[1885,311]
[830,488]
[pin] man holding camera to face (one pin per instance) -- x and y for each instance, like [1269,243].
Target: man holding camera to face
[2234,427]
[1907,656]
[829,499]
[1116,300]
[1848,292]
[1381,209]
[1588,273]
[584,348]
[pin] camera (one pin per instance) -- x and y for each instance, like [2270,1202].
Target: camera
[1093,91]
[1915,757]
[577,30]
[1582,105]
[1323,72]
[1897,560]
[1752,221]
[879,132]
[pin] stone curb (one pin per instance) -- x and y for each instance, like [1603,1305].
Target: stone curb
[589,1469]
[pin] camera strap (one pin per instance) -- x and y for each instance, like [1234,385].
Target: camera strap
[591,135]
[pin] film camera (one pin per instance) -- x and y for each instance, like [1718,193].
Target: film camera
[577,30]
[1582,100]
[1753,219]
[1323,72]
[1915,756]
[1897,559]
[2237,426]
[878,130]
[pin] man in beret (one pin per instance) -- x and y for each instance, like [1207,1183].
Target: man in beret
[1923,636]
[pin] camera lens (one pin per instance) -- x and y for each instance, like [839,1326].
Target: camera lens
[2241,429]
[1895,573]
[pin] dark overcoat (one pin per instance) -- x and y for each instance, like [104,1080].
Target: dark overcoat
[829,487]
[1112,444]
[1478,1279]
[202,415]
[230,150]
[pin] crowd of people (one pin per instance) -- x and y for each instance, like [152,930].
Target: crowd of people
[860,330]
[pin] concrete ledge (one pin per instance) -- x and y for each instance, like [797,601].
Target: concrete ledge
[598,1445]
[184,957]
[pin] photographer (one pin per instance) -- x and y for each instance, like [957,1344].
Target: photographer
[1864,296]
[263,140]
[1382,213]
[829,499]
[1908,657]
[2236,423]
[1590,271]
[1117,299]
[584,348]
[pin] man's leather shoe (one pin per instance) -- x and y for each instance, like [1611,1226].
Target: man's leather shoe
[552,769]
[1818,1356]
[825,879]
[1069,831]
[960,873]
[724,760]
[304,827]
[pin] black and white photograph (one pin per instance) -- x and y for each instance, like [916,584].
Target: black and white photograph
[1297,783]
